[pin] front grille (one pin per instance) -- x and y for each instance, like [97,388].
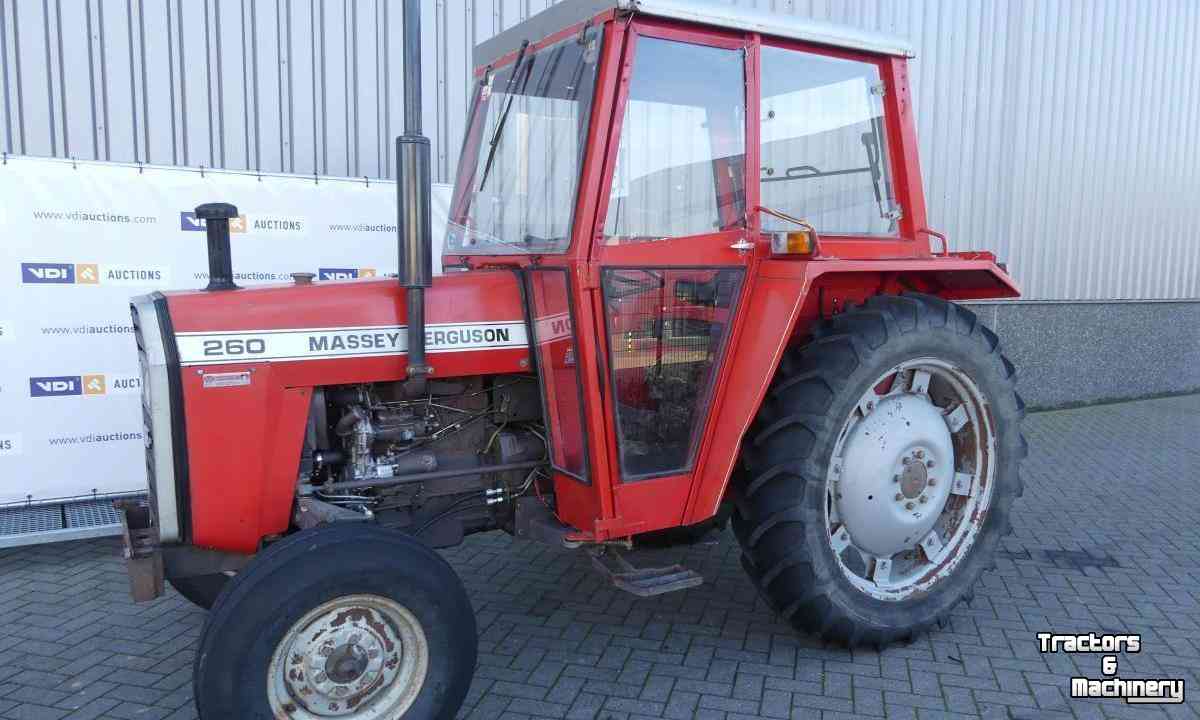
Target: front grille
[156,360]
[147,422]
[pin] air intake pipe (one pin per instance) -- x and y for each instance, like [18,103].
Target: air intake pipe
[413,203]
[216,217]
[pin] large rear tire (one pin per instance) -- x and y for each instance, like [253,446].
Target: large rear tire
[348,621]
[877,480]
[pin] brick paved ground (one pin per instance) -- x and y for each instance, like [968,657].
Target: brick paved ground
[1119,482]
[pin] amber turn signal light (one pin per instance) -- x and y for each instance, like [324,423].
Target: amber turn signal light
[795,242]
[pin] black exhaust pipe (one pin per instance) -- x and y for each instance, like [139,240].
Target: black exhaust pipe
[413,203]
[216,217]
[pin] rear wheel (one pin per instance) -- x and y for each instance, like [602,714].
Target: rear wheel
[343,621]
[878,478]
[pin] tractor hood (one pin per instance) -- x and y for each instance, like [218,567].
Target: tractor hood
[229,377]
[469,314]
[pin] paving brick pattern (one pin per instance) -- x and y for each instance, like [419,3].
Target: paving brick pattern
[1106,539]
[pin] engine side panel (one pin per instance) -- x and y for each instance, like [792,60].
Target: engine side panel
[250,358]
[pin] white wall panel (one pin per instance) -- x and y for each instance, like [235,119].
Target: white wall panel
[1059,134]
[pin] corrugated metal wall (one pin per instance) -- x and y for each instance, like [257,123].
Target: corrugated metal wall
[1060,134]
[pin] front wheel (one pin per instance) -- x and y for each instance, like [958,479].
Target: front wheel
[343,621]
[877,481]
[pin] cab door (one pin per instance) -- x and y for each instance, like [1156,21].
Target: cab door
[672,260]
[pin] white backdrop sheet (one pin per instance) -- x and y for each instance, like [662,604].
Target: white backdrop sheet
[78,239]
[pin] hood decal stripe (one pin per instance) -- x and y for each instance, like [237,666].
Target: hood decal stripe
[284,345]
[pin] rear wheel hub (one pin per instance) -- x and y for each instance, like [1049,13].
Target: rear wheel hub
[914,479]
[910,479]
[885,498]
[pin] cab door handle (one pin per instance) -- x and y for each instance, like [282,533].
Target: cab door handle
[743,246]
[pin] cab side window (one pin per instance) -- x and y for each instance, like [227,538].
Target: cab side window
[681,158]
[824,147]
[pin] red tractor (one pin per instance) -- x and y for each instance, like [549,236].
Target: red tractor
[688,277]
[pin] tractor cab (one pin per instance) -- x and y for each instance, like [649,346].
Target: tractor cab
[661,175]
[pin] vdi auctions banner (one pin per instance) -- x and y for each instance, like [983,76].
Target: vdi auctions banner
[78,239]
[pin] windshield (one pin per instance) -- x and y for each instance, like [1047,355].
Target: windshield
[519,170]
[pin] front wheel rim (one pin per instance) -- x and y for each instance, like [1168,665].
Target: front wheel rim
[911,479]
[363,657]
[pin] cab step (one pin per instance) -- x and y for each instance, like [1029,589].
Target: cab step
[642,582]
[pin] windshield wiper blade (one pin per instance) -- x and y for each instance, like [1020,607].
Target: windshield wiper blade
[487,166]
[871,142]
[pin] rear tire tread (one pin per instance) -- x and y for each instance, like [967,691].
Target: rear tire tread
[778,459]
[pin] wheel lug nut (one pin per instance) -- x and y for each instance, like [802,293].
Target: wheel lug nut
[899,497]
[929,463]
[908,506]
[932,482]
[920,453]
[895,478]
[923,498]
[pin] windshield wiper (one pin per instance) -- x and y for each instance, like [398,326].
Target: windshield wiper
[871,143]
[487,166]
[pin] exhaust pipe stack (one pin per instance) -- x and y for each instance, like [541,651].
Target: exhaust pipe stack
[413,203]
[216,217]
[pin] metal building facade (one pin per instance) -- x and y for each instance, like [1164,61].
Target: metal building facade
[1059,134]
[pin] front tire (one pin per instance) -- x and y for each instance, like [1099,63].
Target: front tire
[877,480]
[343,621]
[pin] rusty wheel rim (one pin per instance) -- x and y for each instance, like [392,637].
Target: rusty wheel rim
[910,479]
[359,656]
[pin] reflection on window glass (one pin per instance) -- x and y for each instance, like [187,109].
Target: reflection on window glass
[666,329]
[519,169]
[824,152]
[554,336]
[680,162]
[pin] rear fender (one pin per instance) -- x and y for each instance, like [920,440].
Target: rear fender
[787,297]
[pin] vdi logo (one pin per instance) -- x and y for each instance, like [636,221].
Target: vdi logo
[56,386]
[92,384]
[87,274]
[60,273]
[188,222]
[56,273]
[344,273]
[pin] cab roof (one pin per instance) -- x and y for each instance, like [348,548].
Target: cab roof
[706,12]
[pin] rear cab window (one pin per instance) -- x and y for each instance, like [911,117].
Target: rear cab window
[824,145]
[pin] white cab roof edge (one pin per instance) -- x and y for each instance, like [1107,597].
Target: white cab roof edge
[708,12]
